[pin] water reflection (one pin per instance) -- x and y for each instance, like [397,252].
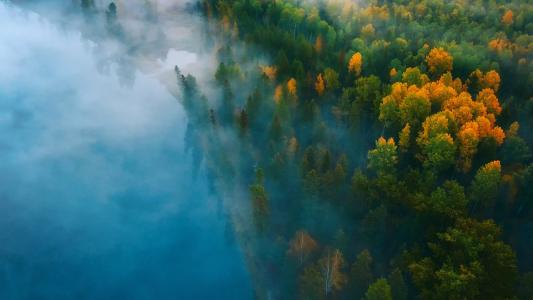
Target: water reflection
[97,200]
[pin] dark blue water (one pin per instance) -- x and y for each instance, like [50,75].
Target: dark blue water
[97,195]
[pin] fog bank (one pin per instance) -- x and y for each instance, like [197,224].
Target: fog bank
[96,193]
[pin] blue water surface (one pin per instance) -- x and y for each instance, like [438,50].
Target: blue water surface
[97,196]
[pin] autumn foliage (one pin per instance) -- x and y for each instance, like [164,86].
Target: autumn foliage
[320,85]
[355,63]
[292,87]
[451,123]
[269,71]
[507,17]
[302,245]
[439,61]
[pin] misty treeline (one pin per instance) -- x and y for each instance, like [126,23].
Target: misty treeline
[385,146]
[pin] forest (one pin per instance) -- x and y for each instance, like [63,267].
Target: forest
[385,145]
[369,149]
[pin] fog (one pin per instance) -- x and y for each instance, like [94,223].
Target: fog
[97,199]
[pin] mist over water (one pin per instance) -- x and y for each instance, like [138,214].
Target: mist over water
[97,196]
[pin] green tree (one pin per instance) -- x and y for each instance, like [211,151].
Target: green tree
[515,150]
[311,283]
[525,192]
[332,79]
[361,275]
[384,157]
[414,109]
[468,261]
[259,200]
[398,285]
[439,152]
[379,290]
[449,200]
[484,188]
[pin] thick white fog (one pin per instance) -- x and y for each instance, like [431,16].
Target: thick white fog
[96,193]
[54,89]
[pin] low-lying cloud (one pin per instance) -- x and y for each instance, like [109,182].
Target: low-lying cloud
[96,196]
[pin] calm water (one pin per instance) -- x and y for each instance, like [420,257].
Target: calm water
[97,196]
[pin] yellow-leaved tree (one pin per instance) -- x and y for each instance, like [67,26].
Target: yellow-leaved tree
[355,64]
[439,61]
[320,85]
[292,87]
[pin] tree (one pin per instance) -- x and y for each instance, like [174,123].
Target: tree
[259,200]
[439,61]
[393,73]
[302,245]
[243,121]
[525,287]
[439,152]
[491,80]
[525,192]
[379,290]
[468,138]
[292,87]
[319,85]
[507,18]
[398,285]
[111,13]
[489,99]
[515,150]
[404,137]
[468,261]
[384,157]
[389,109]
[368,31]
[311,283]
[414,108]
[361,103]
[448,201]
[361,274]
[312,182]
[278,93]
[227,107]
[331,269]
[269,72]
[413,76]
[340,171]
[355,64]
[485,185]
[332,79]
[319,44]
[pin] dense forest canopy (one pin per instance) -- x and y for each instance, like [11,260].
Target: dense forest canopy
[384,146]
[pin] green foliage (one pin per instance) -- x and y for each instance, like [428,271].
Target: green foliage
[468,261]
[515,150]
[525,192]
[440,152]
[384,157]
[361,275]
[398,285]
[447,201]
[332,79]
[379,290]
[484,188]
[311,283]
[414,110]
[259,200]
